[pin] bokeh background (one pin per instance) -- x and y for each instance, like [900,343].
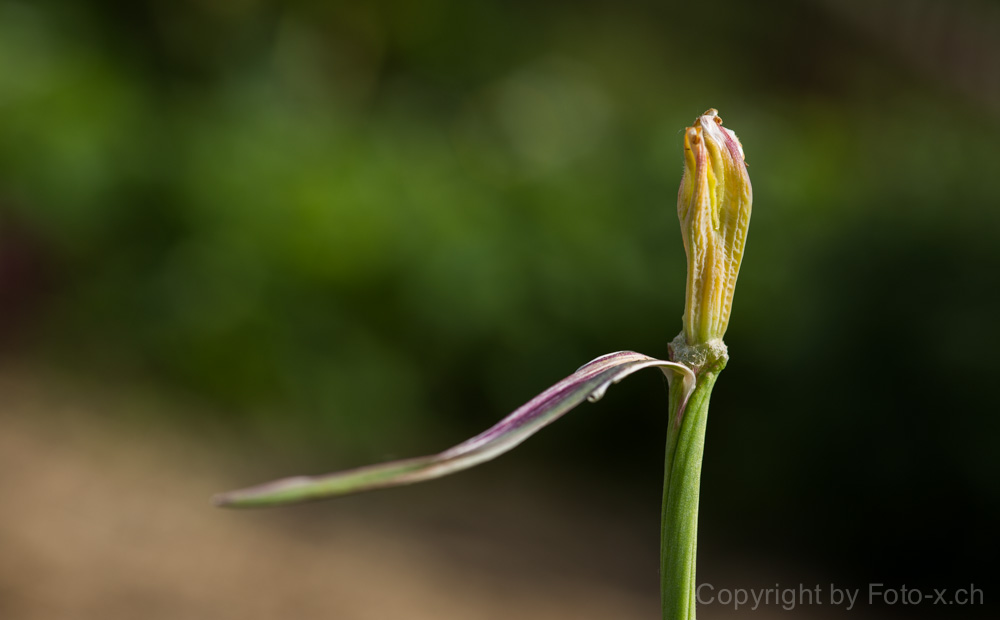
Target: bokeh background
[241,239]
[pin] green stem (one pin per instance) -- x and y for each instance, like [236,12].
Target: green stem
[681,482]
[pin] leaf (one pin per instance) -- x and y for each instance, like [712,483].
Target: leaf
[589,382]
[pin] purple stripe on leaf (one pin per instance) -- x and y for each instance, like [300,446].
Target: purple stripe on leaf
[589,383]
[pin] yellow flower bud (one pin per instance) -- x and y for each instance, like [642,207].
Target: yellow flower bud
[714,209]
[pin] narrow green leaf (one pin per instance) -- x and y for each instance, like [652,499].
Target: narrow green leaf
[589,382]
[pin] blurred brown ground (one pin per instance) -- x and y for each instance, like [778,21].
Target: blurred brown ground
[103,518]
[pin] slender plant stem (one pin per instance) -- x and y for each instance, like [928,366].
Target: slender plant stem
[681,482]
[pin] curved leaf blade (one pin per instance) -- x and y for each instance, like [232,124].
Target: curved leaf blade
[589,382]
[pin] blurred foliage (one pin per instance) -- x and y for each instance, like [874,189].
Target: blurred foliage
[380,219]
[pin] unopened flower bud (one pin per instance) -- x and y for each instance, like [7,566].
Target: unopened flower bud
[714,209]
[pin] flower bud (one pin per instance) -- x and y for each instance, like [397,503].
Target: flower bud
[714,210]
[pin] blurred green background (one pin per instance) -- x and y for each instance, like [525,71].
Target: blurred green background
[362,230]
